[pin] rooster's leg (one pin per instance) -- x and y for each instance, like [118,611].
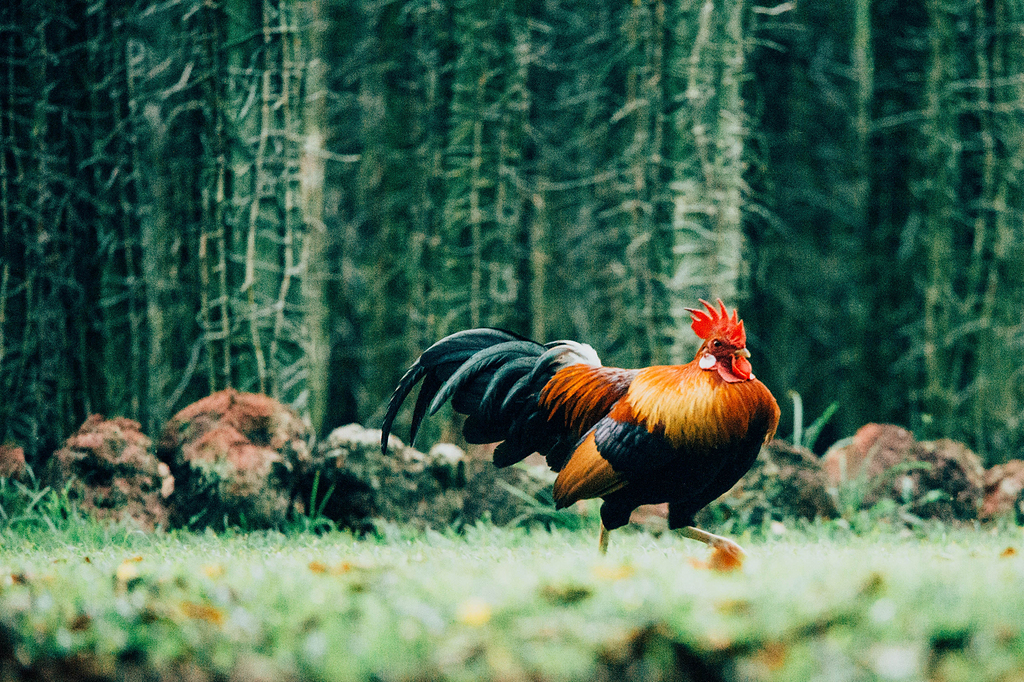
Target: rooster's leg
[714,541]
[602,539]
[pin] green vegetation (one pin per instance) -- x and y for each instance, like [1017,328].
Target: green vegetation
[296,198]
[813,601]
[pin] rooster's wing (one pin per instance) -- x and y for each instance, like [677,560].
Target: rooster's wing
[618,450]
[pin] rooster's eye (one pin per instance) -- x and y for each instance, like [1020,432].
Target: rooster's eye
[716,343]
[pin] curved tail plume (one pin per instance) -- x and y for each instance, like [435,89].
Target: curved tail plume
[494,377]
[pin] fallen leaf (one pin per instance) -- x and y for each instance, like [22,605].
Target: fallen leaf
[873,585]
[719,641]
[612,571]
[1008,552]
[474,611]
[127,571]
[565,594]
[735,607]
[341,567]
[81,622]
[210,614]
[213,570]
[773,655]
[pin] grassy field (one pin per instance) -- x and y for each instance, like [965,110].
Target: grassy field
[823,603]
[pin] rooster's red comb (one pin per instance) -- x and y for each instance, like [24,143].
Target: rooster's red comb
[719,322]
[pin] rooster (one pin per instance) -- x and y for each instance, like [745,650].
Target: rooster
[682,434]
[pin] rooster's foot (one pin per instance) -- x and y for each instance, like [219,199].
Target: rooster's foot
[725,553]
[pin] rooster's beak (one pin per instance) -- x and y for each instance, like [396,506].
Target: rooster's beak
[741,353]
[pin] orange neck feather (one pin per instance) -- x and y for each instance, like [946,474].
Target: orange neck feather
[693,407]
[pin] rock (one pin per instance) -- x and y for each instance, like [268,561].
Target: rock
[956,471]
[111,472]
[511,495]
[784,482]
[1004,484]
[874,449]
[403,485]
[12,461]
[939,479]
[236,457]
[437,489]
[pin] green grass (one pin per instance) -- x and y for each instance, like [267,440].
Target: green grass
[819,602]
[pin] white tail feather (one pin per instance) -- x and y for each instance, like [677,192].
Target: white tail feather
[574,353]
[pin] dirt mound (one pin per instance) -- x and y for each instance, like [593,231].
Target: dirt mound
[439,488]
[111,472]
[939,479]
[236,458]
[784,482]
[12,461]
[1004,491]
[404,485]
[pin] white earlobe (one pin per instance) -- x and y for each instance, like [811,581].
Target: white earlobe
[707,361]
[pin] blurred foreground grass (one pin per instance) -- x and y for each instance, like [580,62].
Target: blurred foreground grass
[106,602]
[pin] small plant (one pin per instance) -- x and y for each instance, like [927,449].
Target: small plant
[808,437]
[854,494]
[540,510]
[24,503]
[314,520]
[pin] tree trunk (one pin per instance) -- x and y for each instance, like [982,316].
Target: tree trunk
[707,145]
[316,349]
[940,174]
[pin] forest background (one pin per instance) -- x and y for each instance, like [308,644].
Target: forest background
[296,197]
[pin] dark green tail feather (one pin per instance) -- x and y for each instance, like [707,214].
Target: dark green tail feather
[494,377]
[436,366]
